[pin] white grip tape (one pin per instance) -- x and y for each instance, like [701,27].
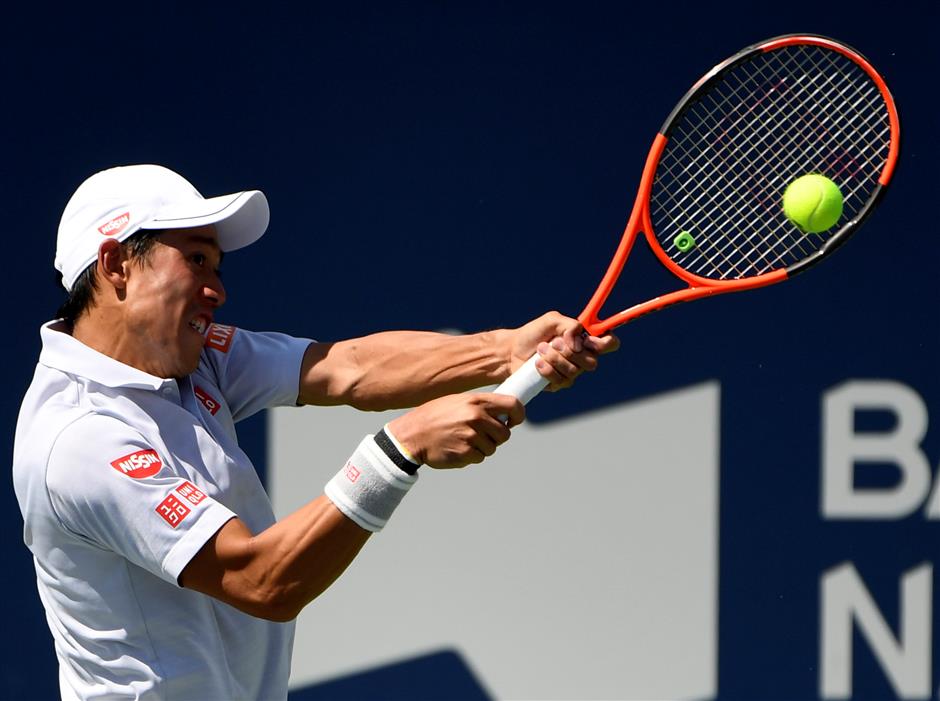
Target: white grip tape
[369,487]
[525,383]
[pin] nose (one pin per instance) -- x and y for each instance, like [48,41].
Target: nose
[214,292]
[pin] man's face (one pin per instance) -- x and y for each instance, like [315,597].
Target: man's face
[171,298]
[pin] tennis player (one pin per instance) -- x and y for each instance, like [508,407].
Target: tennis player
[162,570]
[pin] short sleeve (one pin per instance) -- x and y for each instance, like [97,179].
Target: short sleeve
[254,370]
[109,487]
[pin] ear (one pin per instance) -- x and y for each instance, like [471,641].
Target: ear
[112,263]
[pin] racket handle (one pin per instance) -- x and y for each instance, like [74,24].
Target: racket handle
[525,383]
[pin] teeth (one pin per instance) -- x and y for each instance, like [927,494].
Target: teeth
[199,325]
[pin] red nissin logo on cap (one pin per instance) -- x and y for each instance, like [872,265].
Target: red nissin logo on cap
[143,463]
[116,225]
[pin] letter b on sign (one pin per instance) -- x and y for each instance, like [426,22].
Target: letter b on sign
[843,449]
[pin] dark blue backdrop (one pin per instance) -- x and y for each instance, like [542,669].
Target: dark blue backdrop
[413,154]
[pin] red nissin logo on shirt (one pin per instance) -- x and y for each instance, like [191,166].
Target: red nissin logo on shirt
[143,463]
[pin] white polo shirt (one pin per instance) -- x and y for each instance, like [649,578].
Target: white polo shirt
[121,478]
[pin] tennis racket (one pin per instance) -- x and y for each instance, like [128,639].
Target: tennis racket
[710,197]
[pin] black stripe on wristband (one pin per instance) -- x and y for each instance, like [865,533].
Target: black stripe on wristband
[401,462]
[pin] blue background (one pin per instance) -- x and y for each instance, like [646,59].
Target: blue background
[469,165]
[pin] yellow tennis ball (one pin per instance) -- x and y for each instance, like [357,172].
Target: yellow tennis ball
[813,202]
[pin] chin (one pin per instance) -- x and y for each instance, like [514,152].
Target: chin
[187,370]
[189,356]
[186,366]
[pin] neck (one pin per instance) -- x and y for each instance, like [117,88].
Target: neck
[104,331]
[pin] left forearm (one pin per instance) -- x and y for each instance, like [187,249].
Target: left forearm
[398,369]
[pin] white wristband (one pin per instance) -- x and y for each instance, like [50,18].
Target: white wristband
[369,486]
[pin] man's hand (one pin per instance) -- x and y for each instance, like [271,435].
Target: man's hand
[457,430]
[565,352]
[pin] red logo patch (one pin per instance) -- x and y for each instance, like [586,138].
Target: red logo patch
[207,400]
[172,510]
[352,472]
[219,337]
[116,225]
[143,463]
[191,493]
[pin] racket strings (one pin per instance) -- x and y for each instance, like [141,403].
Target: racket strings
[840,164]
[764,142]
[767,121]
[814,127]
[791,132]
[791,126]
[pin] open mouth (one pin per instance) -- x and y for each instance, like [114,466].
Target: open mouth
[200,325]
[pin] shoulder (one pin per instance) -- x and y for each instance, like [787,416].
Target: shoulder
[223,341]
[215,352]
[219,338]
[234,351]
[92,432]
[98,447]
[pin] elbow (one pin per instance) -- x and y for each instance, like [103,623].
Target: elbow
[270,610]
[345,391]
[279,614]
[283,603]
[365,396]
[369,404]
[277,604]
[362,391]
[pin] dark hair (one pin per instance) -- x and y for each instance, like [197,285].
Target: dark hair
[139,245]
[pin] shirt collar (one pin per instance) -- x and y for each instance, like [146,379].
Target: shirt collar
[62,351]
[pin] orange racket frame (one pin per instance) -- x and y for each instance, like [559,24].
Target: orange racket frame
[526,382]
[640,217]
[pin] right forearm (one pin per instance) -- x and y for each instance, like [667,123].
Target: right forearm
[397,369]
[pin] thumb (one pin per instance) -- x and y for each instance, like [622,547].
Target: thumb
[506,408]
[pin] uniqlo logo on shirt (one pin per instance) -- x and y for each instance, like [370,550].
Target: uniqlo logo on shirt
[219,337]
[172,510]
[207,400]
[143,463]
[352,472]
[191,493]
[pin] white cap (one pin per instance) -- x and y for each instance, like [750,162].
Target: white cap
[117,202]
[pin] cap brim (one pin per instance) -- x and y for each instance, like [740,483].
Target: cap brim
[240,219]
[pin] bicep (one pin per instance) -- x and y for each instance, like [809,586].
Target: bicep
[328,374]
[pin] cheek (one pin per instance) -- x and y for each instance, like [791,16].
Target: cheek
[173,288]
[162,299]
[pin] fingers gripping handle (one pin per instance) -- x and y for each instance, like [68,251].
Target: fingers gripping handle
[525,383]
